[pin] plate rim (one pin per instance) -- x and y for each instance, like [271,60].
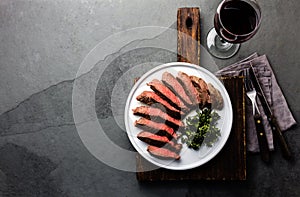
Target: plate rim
[140,81]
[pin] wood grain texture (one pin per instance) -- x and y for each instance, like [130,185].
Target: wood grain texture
[229,164]
[188,41]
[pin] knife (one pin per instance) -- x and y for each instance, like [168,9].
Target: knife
[262,138]
[271,118]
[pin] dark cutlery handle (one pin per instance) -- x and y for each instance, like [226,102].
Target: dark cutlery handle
[262,138]
[282,142]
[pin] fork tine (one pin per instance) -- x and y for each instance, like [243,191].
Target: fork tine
[251,87]
[247,81]
[250,91]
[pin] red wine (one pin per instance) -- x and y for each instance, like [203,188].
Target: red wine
[238,17]
[236,21]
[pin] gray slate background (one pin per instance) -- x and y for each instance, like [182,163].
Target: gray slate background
[42,46]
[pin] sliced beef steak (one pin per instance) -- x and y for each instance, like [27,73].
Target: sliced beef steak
[159,141]
[149,98]
[155,127]
[163,91]
[157,114]
[216,97]
[202,89]
[191,91]
[162,153]
[171,82]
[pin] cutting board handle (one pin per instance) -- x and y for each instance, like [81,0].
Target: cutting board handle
[188,41]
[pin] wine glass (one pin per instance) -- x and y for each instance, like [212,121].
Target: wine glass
[235,21]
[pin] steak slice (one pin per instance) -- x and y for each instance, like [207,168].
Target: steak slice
[202,89]
[155,127]
[171,82]
[159,141]
[149,98]
[164,92]
[162,153]
[216,97]
[153,113]
[187,84]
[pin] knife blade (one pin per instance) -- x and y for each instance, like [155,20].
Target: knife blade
[270,115]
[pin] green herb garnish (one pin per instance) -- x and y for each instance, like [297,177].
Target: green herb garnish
[201,128]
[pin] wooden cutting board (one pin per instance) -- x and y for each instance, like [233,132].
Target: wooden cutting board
[230,163]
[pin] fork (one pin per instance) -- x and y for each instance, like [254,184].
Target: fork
[260,131]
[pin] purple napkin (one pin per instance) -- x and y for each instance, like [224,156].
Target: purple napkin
[273,95]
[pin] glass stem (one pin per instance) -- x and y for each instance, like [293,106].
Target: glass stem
[222,44]
[219,47]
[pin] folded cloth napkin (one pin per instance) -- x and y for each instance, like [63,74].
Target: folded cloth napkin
[273,94]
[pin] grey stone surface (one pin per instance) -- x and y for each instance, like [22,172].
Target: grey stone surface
[42,46]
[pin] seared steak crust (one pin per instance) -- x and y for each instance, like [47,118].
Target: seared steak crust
[202,89]
[171,82]
[157,114]
[162,153]
[159,141]
[163,91]
[149,98]
[155,127]
[191,91]
[216,97]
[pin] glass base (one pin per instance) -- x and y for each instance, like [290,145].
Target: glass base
[220,48]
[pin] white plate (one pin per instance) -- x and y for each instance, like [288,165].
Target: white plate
[189,157]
